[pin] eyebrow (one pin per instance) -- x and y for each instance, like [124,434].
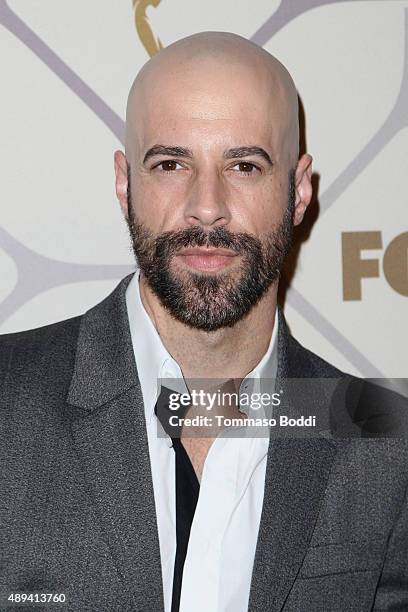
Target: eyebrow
[235,153]
[166,150]
[239,152]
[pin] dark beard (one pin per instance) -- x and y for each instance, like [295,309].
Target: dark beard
[211,301]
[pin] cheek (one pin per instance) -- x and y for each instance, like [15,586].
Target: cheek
[260,210]
[157,202]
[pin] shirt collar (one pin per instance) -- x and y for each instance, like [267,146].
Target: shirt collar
[153,361]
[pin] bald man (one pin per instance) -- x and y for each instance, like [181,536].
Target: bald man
[118,495]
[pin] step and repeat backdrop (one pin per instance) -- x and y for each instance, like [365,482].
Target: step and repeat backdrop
[66,70]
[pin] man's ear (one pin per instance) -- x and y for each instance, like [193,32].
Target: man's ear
[303,187]
[121,182]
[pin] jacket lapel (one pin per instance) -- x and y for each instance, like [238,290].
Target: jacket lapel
[296,477]
[110,435]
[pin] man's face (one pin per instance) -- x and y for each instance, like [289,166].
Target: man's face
[211,195]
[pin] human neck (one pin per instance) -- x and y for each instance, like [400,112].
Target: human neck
[230,352]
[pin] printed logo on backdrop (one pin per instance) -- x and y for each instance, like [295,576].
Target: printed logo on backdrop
[394,259]
[149,40]
[37,274]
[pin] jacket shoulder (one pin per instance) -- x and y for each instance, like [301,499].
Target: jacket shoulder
[310,364]
[32,351]
[40,336]
[359,407]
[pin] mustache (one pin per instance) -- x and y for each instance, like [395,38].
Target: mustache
[168,243]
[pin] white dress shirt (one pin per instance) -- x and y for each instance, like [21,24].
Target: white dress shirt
[221,549]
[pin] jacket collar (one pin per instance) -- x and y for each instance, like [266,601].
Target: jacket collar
[105,366]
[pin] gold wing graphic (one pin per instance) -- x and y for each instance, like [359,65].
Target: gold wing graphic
[151,43]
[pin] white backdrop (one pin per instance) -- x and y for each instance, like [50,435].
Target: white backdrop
[66,70]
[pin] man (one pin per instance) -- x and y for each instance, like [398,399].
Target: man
[98,504]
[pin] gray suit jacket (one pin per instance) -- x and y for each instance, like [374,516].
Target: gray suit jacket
[77,509]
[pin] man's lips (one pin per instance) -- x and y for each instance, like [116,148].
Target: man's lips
[207,258]
[208,251]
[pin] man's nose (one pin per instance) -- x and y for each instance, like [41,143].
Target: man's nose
[207,200]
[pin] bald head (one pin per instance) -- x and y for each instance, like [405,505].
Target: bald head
[215,76]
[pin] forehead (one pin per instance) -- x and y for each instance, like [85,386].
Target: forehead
[225,104]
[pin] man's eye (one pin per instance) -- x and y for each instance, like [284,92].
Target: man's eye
[246,168]
[169,165]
